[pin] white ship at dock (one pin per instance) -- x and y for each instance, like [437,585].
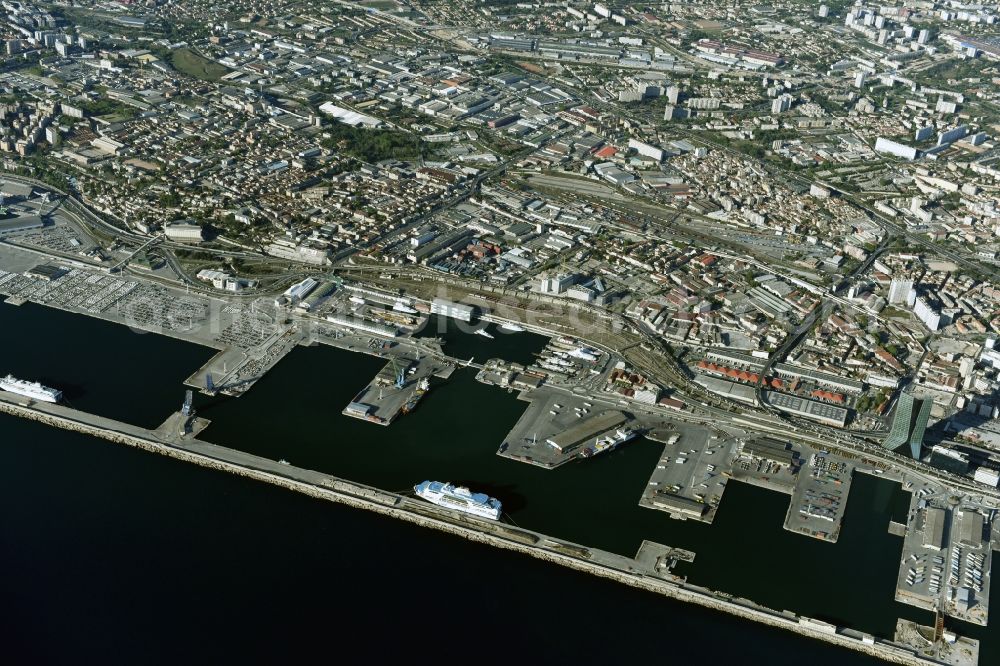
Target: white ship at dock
[32,390]
[459,499]
[609,442]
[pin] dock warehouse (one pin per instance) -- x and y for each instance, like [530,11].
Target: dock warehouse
[676,504]
[47,272]
[579,433]
[770,449]
[970,529]
[934,528]
[359,409]
[22,223]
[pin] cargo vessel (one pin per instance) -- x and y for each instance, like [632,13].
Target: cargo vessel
[609,442]
[459,499]
[423,386]
[32,390]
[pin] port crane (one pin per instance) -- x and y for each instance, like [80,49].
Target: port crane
[398,371]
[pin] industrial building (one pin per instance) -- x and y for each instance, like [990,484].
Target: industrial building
[786,371]
[812,409]
[771,449]
[47,272]
[21,223]
[299,290]
[933,532]
[646,149]
[184,232]
[362,324]
[571,438]
[970,529]
[678,505]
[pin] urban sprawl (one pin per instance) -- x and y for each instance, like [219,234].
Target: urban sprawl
[775,225]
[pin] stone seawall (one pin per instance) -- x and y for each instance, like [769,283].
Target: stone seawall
[498,535]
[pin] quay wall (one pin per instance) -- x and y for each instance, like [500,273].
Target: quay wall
[497,535]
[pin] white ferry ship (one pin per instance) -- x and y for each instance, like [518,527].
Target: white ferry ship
[32,390]
[609,442]
[460,499]
[511,327]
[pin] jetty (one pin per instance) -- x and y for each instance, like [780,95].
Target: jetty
[645,571]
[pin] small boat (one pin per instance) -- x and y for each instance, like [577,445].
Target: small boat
[484,333]
[511,327]
[284,462]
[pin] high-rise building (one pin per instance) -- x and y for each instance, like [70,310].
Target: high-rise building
[704,103]
[883,145]
[671,112]
[927,314]
[781,104]
[909,424]
[824,11]
[899,290]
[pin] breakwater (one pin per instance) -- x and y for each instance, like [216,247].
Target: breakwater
[322,486]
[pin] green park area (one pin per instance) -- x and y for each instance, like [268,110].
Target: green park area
[188,62]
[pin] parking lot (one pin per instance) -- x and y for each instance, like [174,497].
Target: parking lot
[819,499]
[694,467]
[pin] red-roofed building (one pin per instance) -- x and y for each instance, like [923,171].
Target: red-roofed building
[606,152]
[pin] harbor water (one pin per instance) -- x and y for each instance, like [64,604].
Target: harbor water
[191,534]
[116,556]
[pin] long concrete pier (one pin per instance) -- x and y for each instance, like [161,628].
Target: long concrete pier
[643,572]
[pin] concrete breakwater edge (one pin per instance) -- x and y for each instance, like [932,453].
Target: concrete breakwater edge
[633,572]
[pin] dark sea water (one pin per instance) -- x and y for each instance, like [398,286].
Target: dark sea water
[118,555]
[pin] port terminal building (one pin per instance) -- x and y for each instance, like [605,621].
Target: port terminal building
[570,439]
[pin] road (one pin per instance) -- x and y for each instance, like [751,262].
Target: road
[815,316]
